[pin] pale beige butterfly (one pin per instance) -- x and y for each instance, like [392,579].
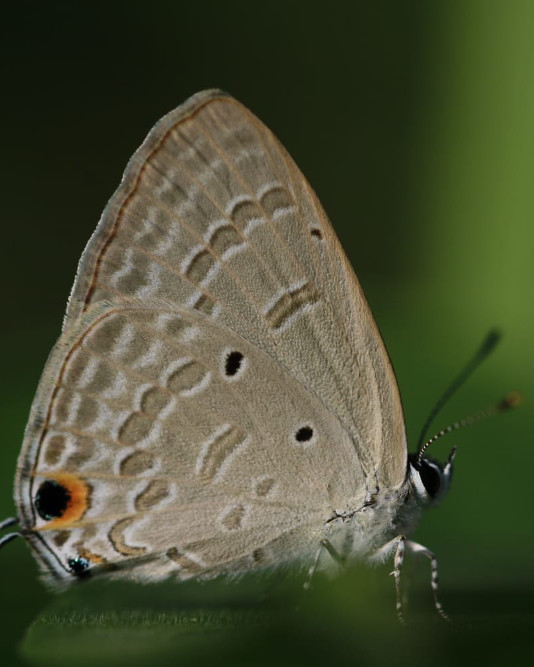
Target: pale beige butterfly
[220,399]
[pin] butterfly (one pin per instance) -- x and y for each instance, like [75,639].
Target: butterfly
[220,399]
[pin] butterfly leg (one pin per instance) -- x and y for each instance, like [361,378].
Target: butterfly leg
[419,548]
[399,545]
[11,521]
[6,523]
[7,538]
[398,561]
[336,556]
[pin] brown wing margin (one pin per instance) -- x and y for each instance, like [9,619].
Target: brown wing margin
[91,259]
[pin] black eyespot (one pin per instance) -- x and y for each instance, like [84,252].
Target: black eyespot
[79,566]
[316,232]
[51,500]
[233,363]
[304,434]
[430,477]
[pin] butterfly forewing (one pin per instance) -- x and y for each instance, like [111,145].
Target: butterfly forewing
[214,215]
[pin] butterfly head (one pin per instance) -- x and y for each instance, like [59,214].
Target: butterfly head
[429,479]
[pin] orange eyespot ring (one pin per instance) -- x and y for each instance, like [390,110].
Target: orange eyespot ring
[63,499]
[93,558]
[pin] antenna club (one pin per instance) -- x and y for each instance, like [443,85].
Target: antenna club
[513,399]
[493,337]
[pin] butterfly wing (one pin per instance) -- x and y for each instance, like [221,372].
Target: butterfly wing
[213,215]
[182,447]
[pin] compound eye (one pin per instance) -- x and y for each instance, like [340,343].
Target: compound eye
[431,478]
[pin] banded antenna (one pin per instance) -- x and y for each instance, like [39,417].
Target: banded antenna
[481,354]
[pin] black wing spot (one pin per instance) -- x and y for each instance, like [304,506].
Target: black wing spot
[51,500]
[233,363]
[317,233]
[304,434]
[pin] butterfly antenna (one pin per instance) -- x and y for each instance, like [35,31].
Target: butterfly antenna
[482,353]
[10,536]
[511,401]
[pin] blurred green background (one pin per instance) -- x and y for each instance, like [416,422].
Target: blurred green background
[414,122]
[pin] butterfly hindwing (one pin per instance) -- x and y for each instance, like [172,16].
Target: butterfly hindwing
[182,447]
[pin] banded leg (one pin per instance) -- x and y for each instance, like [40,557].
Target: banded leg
[8,538]
[397,568]
[419,548]
[399,544]
[327,545]
[6,523]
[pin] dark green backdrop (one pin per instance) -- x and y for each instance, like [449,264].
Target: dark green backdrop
[414,122]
